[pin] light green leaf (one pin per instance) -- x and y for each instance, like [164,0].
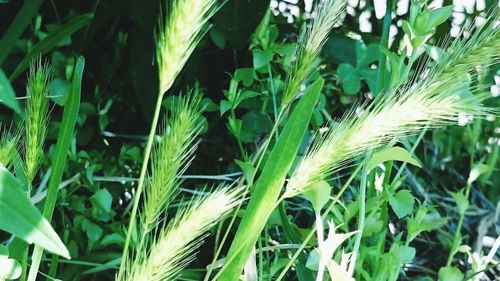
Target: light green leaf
[93,231]
[247,168]
[261,58]
[318,193]
[268,187]
[461,201]
[224,106]
[476,171]
[7,94]
[394,153]
[19,217]
[349,76]
[438,16]
[402,203]
[450,273]
[424,220]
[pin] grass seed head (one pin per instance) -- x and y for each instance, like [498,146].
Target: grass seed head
[327,14]
[178,241]
[179,33]
[37,89]
[434,98]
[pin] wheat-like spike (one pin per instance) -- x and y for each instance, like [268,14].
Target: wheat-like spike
[327,14]
[176,243]
[435,98]
[36,115]
[171,157]
[9,142]
[178,35]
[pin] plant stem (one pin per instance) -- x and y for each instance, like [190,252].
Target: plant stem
[456,236]
[384,41]
[321,240]
[140,185]
[361,219]
[312,232]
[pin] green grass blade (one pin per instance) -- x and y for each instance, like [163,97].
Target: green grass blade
[51,41]
[7,94]
[17,27]
[21,218]
[68,124]
[268,187]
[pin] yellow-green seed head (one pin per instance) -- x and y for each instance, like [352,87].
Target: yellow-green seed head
[178,35]
[37,89]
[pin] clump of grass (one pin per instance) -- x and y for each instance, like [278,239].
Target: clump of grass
[170,158]
[436,98]
[177,242]
[37,88]
[327,14]
[179,34]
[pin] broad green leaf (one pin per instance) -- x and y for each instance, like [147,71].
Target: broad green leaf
[261,58]
[424,220]
[268,186]
[349,76]
[59,91]
[438,16]
[248,170]
[402,203]
[7,94]
[101,203]
[450,273]
[365,55]
[93,231]
[318,193]
[51,41]
[245,75]
[461,200]
[224,106]
[394,153]
[19,217]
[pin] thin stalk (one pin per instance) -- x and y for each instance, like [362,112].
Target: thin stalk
[321,239]
[361,219]
[257,158]
[140,185]
[384,41]
[323,216]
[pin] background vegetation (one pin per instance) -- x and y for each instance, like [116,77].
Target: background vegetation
[240,66]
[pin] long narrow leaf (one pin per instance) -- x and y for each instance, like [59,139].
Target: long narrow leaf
[68,124]
[268,187]
[21,218]
[17,27]
[51,41]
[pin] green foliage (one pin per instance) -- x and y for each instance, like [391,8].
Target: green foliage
[418,207]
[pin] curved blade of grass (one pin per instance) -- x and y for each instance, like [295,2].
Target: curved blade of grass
[51,41]
[268,187]
[68,124]
[17,27]
[21,218]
